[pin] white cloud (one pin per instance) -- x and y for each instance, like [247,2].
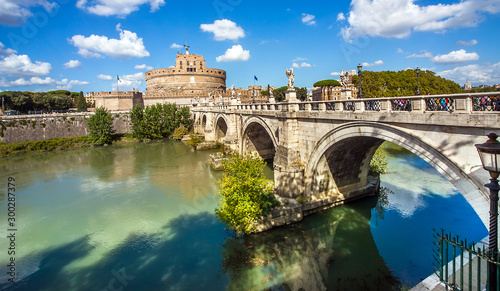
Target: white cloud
[105,77]
[118,8]
[377,63]
[335,73]
[455,57]
[467,43]
[477,74]
[21,66]
[236,53]
[175,46]
[15,12]
[308,19]
[224,29]
[299,59]
[72,64]
[129,82]
[302,65]
[424,54]
[129,45]
[399,18]
[400,51]
[64,84]
[6,52]
[142,67]
[340,17]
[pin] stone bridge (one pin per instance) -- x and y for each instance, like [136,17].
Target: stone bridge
[322,150]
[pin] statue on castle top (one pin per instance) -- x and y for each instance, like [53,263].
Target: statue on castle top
[291,79]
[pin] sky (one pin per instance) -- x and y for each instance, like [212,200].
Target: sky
[84,45]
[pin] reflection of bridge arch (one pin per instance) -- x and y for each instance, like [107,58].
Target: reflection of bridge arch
[347,150]
[258,137]
[221,126]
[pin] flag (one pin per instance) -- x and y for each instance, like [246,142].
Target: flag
[118,78]
[255,77]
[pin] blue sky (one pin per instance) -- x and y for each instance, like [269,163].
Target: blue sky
[83,45]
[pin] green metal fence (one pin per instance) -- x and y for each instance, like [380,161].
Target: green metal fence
[461,265]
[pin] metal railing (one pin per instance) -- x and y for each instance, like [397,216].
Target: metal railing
[461,265]
[451,103]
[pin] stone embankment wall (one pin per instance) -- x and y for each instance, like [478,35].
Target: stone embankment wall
[46,126]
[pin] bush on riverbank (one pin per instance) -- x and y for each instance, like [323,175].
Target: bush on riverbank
[378,164]
[56,144]
[100,127]
[246,195]
[158,121]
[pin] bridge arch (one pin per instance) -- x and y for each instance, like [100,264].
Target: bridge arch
[204,122]
[258,136]
[357,142]
[221,127]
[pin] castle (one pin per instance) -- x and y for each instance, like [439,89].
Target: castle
[187,83]
[189,79]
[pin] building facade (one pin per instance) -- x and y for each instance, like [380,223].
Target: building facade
[345,91]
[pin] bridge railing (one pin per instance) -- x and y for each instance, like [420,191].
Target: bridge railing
[463,103]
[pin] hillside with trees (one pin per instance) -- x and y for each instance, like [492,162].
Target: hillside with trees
[404,83]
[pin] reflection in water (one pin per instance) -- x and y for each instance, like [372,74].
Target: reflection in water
[331,250]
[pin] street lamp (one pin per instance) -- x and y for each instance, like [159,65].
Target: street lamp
[489,152]
[360,93]
[418,84]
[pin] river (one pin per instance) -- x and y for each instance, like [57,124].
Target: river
[141,217]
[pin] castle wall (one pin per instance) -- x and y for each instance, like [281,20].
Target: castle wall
[21,128]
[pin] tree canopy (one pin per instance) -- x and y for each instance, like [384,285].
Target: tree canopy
[26,101]
[279,93]
[328,82]
[404,83]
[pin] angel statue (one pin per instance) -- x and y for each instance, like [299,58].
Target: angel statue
[291,79]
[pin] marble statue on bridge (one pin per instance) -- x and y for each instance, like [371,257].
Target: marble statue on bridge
[291,79]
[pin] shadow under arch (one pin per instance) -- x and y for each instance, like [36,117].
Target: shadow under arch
[373,132]
[221,127]
[203,120]
[253,138]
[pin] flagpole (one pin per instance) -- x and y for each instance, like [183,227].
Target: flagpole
[253,90]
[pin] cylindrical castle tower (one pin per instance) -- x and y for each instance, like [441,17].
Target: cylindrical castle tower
[189,77]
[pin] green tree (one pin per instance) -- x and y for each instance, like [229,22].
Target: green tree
[100,127]
[279,93]
[246,195]
[81,105]
[158,121]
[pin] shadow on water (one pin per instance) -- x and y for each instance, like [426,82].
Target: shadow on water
[332,250]
[182,262]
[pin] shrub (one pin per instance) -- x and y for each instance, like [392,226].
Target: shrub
[378,164]
[99,125]
[246,195]
[180,132]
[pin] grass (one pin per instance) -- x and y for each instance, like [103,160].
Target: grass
[55,144]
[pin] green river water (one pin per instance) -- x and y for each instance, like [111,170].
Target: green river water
[141,217]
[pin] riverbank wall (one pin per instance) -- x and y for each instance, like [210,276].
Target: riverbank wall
[21,128]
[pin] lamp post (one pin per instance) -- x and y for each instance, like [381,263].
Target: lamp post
[418,84]
[360,93]
[489,152]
